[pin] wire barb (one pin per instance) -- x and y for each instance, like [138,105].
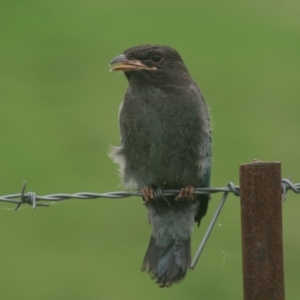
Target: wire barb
[288,185]
[22,198]
[29,198]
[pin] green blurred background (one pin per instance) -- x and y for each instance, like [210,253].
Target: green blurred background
[59,107]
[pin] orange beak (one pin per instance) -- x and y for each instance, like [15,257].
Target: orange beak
[122,63]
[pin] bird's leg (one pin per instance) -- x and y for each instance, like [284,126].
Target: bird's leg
[147,193]
[186,192]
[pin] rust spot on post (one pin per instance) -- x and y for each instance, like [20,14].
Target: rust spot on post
[261,214]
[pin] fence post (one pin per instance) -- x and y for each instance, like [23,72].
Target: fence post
[261,216]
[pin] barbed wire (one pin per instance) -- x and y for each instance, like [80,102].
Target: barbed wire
[34,200]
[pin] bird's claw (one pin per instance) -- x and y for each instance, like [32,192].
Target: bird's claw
[147,193]
[150,194]
[186,193]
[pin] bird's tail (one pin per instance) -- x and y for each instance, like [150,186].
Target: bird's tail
[167,265]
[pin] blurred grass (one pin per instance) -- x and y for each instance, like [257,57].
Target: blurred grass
[59,107]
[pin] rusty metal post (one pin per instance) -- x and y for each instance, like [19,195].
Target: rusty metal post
[261,216]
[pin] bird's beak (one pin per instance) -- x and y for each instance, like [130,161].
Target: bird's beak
[122,63]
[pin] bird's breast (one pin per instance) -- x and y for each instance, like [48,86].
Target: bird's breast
[161,139]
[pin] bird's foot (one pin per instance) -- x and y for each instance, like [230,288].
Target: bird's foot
[186,193]
[150,194]
[147,193]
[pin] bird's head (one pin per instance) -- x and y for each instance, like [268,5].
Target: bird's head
[151,64]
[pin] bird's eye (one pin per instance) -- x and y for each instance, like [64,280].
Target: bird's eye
[156,57]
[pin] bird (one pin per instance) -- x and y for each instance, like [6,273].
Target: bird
[165,138]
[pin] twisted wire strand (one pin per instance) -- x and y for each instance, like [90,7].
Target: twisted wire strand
[34,200]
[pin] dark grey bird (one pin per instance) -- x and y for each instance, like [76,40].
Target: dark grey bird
[165,144]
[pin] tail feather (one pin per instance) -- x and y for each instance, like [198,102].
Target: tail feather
[168,256]
[168,265]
